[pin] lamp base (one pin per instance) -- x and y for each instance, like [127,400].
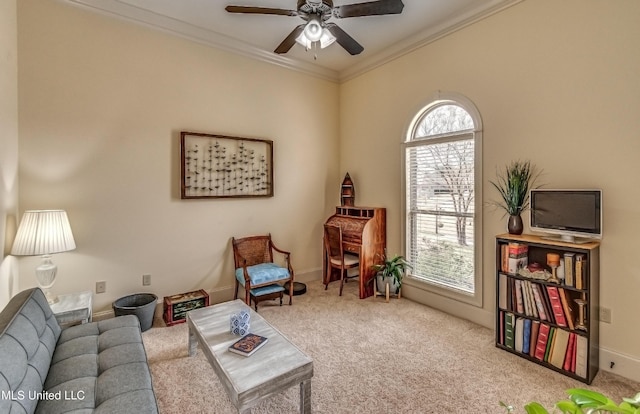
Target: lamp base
[51,298]
[46,275]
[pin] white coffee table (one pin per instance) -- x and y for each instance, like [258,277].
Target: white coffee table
[275,367]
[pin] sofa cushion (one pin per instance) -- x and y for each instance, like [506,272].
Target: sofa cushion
[101,362]
[263,273]
[28,335]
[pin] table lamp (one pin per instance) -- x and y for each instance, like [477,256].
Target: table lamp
[42,233]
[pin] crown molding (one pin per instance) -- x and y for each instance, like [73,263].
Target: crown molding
[176,27]
[425,37]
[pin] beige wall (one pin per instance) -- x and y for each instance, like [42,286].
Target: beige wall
[102,103]
[8,146]
[556,83]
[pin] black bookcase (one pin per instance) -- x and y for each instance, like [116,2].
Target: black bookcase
[525,302]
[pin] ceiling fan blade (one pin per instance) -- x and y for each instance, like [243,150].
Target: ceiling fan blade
[371,8]
[289,41]
[346,41]
[260,10]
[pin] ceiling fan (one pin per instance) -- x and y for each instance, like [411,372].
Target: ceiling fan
[317,30]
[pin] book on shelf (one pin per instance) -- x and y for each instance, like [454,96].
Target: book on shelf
[547,351]
[512,294]
[573,354]
[518,257]
[502,286]
[541,343]
[526,336]
[517,250]
[556,305]
[504,257]
[526,298]
[565,299]
[509,326]
[501,332]
[571,351]
[537,295]
[581,270]
[519,300]
[535,328]
[581,356]
[560,344]
[568,269]
[532,303]
[547,304]
[248,344]
[519,335]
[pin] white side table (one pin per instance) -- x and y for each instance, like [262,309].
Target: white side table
[73,308]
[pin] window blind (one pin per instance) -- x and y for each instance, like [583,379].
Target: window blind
[440,210]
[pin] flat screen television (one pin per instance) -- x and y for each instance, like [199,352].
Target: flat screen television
[570,215]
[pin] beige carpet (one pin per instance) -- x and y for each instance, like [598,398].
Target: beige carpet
[372,357]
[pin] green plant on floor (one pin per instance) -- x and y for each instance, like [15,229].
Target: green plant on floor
[582,401]
[394,268]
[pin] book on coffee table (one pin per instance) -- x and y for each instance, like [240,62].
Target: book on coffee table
[248,344]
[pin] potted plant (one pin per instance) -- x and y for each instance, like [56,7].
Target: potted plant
[392,271]
[514,184]
[582,401]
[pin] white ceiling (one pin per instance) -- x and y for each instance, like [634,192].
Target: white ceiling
[383,37]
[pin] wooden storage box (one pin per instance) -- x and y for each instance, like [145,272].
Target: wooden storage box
[176,307]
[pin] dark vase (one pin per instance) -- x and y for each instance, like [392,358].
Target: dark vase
[515,225]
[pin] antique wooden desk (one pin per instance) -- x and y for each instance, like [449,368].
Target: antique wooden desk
[364,232]
[278,365]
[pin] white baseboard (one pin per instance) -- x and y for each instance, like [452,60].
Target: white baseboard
[623,365]
[99,316]
[222,294]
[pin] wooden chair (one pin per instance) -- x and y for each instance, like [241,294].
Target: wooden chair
[336,258]
[256,270]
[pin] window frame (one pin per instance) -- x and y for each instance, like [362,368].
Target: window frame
[447,98]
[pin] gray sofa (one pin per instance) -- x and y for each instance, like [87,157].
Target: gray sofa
[98,367]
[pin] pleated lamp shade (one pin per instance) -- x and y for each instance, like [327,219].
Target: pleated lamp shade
[42,233]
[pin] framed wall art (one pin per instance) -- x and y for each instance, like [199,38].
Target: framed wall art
[219,166]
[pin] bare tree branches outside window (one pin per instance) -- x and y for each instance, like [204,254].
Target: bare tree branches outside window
[441,196]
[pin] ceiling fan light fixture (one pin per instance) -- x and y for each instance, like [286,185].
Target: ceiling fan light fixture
[313,30]
[316,31]
[303,41]
[326,39]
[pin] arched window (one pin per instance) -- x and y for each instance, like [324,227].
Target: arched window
[442,189]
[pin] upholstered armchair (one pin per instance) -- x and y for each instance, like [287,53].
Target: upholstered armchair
[256,270]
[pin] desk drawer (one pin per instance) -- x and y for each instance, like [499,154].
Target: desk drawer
[351,248]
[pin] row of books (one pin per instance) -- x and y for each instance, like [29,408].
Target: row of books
[513,257]
[575,270]
[556,346]
[547,302]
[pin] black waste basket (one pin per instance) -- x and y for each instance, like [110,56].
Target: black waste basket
[143,305]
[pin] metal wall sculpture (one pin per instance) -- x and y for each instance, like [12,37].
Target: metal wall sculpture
[218,166]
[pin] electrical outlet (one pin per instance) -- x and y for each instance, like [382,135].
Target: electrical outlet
[146,280]
[605,315]
[101,287]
